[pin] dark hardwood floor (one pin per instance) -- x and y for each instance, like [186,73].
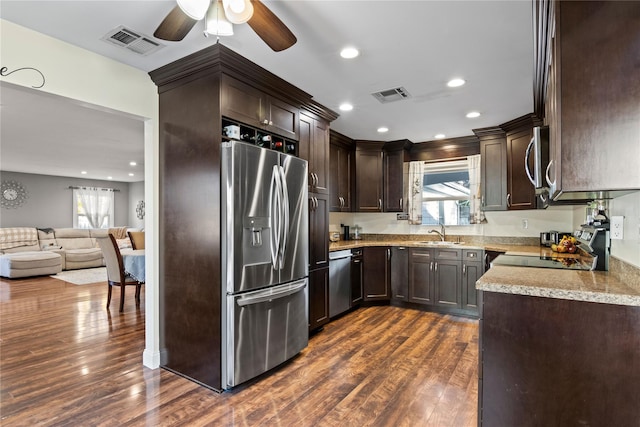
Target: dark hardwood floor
[66,360]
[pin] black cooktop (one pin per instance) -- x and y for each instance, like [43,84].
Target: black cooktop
[541,262]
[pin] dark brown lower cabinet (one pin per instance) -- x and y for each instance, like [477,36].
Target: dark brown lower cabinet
[399,273]
[472,269]
[447,280]
[318,298]
[554,362]
[357,274]
[420,278]
[376,278]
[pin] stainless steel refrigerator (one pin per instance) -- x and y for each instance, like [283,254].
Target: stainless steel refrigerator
[264,260]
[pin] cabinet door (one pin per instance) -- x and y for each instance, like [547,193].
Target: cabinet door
[471,272]
[357,274]
[318,231]
[420,276]
[400,273]
[318,298]
[494,174]
[376,273]
[283,118]
[446,275]
[368,180]
[242,102]
[521,193]
[472,268]
[340,178]
[314,147]
[393,186]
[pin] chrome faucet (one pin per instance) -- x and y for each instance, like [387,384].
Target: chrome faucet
[442,233]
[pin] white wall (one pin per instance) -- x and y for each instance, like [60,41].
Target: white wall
[84,76]
[627,249]
[136,194]
[509,223]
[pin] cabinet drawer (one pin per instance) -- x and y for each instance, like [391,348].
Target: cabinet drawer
[453,254]
[421,254]
[472,255]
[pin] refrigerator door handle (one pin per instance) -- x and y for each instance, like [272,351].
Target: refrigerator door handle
[285,216]
[270,296]
[275,216]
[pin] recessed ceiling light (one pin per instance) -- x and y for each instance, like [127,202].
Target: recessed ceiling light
[131,174]
[132,163]
[349,52]
[83,172]
[456,82]
[109,177]
[439,136]
[383,129]
[346,107]
[473,114]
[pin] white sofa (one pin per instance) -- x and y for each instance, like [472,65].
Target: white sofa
[27,251]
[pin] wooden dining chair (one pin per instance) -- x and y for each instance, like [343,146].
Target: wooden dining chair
[116,275]
[137,239]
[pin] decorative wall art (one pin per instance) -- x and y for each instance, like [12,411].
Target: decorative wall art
[12,194]
[140,209]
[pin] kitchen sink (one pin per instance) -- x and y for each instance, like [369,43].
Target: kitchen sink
[441,243]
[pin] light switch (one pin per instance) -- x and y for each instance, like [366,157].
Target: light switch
[617,227]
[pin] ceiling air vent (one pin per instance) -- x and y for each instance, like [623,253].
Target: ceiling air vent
[391,95]
[131,40]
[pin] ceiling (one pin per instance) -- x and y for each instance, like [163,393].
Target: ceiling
[418,45]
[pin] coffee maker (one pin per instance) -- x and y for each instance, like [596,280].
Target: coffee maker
[596,240]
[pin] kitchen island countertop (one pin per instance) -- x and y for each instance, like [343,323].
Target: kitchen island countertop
[588,286]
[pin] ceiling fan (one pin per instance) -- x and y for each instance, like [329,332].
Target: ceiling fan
[220,15]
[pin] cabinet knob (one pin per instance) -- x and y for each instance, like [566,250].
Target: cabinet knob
[270,123]
[464,269]
[508,200]
[401,203]
[265,122]
[380,205]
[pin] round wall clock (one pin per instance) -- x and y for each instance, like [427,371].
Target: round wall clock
[12,194]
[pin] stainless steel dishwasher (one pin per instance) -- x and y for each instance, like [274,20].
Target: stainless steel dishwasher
[339,282]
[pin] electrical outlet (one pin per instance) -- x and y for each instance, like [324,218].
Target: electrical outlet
[525,223]
[617,227]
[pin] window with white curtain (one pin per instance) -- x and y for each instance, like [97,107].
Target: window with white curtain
[446,197]
[93,208]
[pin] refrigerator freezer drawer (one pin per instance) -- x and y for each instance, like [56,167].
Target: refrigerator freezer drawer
[265,328]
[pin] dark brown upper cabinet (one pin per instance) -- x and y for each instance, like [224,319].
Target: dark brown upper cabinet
[314,147]
[341,171]
[505,184]
[493,149]
[369,176]
[393,160]
[379,175]
[586,87]
[249,105]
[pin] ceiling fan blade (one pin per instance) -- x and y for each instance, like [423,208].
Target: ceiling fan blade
[270,28]
[175,26]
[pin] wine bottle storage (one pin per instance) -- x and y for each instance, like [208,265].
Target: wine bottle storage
[232,129]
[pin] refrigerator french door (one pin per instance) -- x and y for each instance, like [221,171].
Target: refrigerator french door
[265,260]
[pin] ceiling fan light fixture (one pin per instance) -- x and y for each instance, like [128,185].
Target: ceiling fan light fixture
[238,11]
[194,9]
[216,23]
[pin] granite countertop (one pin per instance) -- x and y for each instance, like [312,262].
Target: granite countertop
[513,249]
[589,286]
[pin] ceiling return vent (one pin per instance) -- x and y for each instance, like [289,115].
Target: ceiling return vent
[391,95]
[131,40]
